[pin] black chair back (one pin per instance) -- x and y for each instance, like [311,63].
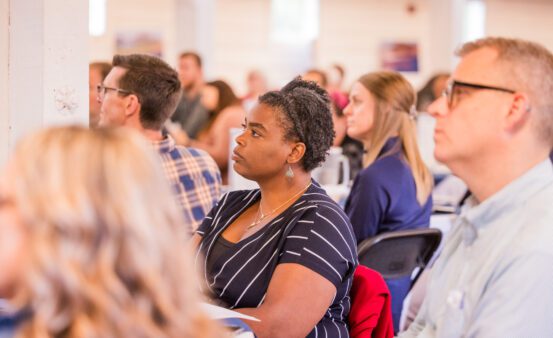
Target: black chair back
[400,253]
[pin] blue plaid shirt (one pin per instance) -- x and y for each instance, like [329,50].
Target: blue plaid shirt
[194,177]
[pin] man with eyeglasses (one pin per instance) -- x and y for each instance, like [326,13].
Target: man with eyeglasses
[97,71]
[142,92]
[494,130]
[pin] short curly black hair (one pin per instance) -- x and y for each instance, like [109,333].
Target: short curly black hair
[305,116]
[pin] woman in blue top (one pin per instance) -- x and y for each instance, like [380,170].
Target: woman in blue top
[392,192]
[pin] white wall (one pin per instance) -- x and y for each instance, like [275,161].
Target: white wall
[136,16]
[4,117]
[352,31]
[236,36]
[525,19]
[241,40]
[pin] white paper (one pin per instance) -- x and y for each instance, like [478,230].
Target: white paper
[217,312]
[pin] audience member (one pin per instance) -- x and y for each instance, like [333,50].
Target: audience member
[425,124]
[336,75]
[190,114]
[226,112]
[97,72]
[91,243]
[284,253]
[393,191]
[141,92]
[257,86]
[494,130]
[335,85]
[353,149]
[431,91]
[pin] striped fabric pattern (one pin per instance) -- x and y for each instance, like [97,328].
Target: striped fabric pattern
[313,232]
[194,178]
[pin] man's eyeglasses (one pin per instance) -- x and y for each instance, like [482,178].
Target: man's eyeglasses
[452,95]
[101,91]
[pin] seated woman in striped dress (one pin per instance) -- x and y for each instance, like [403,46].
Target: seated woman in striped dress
[284,253]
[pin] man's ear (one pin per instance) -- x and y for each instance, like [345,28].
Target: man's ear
[519,113]
[132,105]
[298,150]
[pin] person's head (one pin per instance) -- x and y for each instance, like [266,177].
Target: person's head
[498,100]
[97,72]
[218,95]
[336,75]
[190,70]
[141,91]
[288,127]
[96,238]
[432,89]
[316,75]
[381,106]
[257,83]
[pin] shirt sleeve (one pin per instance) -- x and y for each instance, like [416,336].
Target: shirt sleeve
[322,241]
[367,204]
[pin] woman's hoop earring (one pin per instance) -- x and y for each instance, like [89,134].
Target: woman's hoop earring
[289,172]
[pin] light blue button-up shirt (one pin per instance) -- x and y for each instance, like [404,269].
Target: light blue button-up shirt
[494,277]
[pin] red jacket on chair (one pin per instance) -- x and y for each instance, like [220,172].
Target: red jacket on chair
[371,314]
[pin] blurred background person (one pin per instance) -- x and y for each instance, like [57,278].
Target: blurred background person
[431,91]
[316,75]
[97,72]
[190,113]
[225,112]
[351,148]
[91,245]
[393,191]
[335,85]
[257,85]
[336,75]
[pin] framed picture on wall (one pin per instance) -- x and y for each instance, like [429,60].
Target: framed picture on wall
[399,56]
[141,42]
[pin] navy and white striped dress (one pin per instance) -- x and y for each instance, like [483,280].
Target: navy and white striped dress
[313,232]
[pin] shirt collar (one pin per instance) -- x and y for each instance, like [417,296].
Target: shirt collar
[478,215]
[390,147]
[165,145]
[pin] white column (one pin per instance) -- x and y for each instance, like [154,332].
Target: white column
[47,55]
[4,117]
[446,32]
[195,21]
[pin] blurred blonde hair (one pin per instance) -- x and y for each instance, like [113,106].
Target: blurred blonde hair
[394,98]
[107,244]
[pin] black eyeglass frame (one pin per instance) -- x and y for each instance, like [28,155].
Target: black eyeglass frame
[101,90]
[449,89]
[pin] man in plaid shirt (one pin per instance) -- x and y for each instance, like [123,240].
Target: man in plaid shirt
[142,92]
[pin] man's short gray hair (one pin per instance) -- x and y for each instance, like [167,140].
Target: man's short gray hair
[530,68]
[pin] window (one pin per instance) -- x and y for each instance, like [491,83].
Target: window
[96,17]
[294,21]
[474,26]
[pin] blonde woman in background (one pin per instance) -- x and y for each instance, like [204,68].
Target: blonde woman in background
[392,192]
[91,241]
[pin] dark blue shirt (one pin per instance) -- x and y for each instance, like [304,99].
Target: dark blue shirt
[384,196]
[10,322]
